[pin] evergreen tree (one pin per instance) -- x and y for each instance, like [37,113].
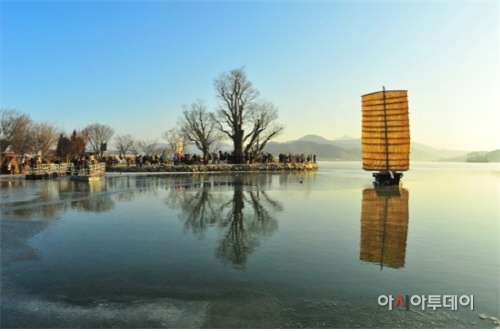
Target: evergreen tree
[63,147]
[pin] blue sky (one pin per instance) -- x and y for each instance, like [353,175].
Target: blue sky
[133,64]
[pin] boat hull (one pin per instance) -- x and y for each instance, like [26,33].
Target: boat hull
[85,178]
[387,178]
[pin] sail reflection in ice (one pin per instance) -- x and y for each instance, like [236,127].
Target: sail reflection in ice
[384,226]
[244,214]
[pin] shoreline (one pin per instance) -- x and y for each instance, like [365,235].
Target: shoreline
[198,169]
[218,168]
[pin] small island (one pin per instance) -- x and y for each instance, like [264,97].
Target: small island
[225,168]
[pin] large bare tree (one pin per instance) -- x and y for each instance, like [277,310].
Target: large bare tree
[236,95]
[7,121]
[200,127]
[43,137]
[124,143]
[263,118]
[21,135]
[98,134]
[241,115]
[15,129]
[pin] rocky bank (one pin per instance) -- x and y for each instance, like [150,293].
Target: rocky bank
[226,168]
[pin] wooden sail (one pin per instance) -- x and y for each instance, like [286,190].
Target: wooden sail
[385,136]
[384,227]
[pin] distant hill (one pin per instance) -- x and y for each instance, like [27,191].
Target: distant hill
[437,153]
[349,148]
[490,156]
[493,156]
[322,151]
[314,139]
[345,142]
[345,137]
[418,151]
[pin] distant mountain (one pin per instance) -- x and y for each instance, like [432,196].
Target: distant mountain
[437,153]
[322,151]
[349,148]
[490,156]
[345,142]
[345,137]
[493,156]
[314,139]
[418,151]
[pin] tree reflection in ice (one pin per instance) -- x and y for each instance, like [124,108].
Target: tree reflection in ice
[237,205]
[243,216]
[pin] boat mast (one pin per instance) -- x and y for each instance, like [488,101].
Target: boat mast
[386,207]
[386,134]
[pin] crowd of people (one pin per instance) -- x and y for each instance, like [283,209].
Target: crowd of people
[212,158]
[296,158]
[15,165]
[22,165]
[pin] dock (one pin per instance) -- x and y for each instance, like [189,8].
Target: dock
[52,171]
[49,171]
[91,173]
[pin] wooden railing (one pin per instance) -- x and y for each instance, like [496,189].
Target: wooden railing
[41,169]
[68,168]
[91,170]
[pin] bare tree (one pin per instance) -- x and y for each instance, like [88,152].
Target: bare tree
[98,135]
[135,148]
[124,143]
[21,135]
[7,120]
[148,146]
[173,136]
[14,131]
[199,127]
[43,137]
[263,118]
[236,95]
[241,115]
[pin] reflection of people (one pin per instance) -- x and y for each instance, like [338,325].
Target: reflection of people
[384,226]
[21,166]
[6,166]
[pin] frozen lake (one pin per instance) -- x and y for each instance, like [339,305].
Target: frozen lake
[251,250]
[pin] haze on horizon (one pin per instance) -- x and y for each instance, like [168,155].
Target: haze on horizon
[132,65]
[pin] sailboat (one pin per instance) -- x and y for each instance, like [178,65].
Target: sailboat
[385,138]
